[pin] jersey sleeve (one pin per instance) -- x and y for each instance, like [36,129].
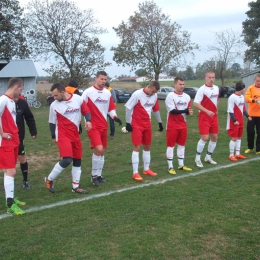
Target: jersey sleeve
[230,104]
[52,115]
[156,106]
[199,96]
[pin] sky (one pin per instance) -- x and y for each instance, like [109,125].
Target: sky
[201,18]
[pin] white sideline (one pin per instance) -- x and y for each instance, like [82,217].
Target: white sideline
[104,194]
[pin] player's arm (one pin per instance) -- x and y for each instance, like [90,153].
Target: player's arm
[88,124]
[30,121]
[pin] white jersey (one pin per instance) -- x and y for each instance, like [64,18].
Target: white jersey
[208,97]
[179,101]
[142,105]
[100,103]
[66,115]
[236,105]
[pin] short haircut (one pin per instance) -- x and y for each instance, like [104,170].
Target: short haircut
[257,75]
[15,81]
[177,79]
[240,85]
[101,72]
[59,86]
[209,72]
[155,84]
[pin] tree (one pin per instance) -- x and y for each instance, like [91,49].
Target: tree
[189,73]
[141,73]
[12,40]
[236,67]
[65,36]
[150,40]
[226,46]
[251,33]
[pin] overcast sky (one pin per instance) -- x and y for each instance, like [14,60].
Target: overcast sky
[201,18]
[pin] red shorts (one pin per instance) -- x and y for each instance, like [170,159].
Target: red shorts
[69,148]
[236,132]
[178,136]
[97,137]
[8,157]
[141,136]
[207,125]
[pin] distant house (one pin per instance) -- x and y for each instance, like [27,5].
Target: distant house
[130,79]
[23,69]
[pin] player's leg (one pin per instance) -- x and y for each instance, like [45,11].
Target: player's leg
[204,126]
[170,143]
[23,165]
[101,179]
[65,148]
[8,159]
[136,136]
[257,144]
[250,135]
[238,144]
[147,140]
[213,130]
[181,141]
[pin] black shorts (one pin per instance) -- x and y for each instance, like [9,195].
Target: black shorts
[21,150]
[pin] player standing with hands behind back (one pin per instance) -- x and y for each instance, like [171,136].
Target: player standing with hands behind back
[178,105]
[138,121]
[206,101]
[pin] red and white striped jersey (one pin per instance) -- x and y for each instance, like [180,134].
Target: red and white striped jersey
[100,103]
[8,121]
[180,102]
[208,97]
[66,115]
[142,105]
[236,105]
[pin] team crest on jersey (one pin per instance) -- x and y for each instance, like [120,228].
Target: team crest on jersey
[213,95]
[100,100]
[241,104]
[148,104]
[181,103]
[71,110]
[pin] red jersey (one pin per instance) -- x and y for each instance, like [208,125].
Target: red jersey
[8,121]
[66,115]
[142,106]
[100,103]
[180,102]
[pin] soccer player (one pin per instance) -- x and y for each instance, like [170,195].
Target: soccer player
[235,121]
[206,101]
[100,103]
[65,114]
[23,112]
[252,97]
[138,122]
[178,105]
[9,143]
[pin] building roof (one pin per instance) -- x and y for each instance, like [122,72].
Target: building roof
[19,68]
[255,71]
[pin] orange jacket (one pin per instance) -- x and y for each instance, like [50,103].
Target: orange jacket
[70,89]
[253,93]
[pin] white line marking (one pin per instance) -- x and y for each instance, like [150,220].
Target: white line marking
[104,194]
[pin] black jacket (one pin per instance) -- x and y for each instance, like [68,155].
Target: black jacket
[23,112]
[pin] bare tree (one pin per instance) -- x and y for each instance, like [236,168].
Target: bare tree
[65,36]
[149,40]
[226,45]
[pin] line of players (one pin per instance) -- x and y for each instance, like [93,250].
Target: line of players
[95,103]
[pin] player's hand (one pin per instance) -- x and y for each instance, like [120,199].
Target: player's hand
[236,123]
[190,111]
[118,120]
[7,136]
[249,118]
[128,127]
[210,113]
[33,136]
[88,125]
[258,102]
[160,127]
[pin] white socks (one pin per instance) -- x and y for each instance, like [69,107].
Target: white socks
[55,172]
[9,186]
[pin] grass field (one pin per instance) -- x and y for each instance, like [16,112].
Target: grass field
[209,213]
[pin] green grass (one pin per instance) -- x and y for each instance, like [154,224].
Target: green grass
[211,215]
